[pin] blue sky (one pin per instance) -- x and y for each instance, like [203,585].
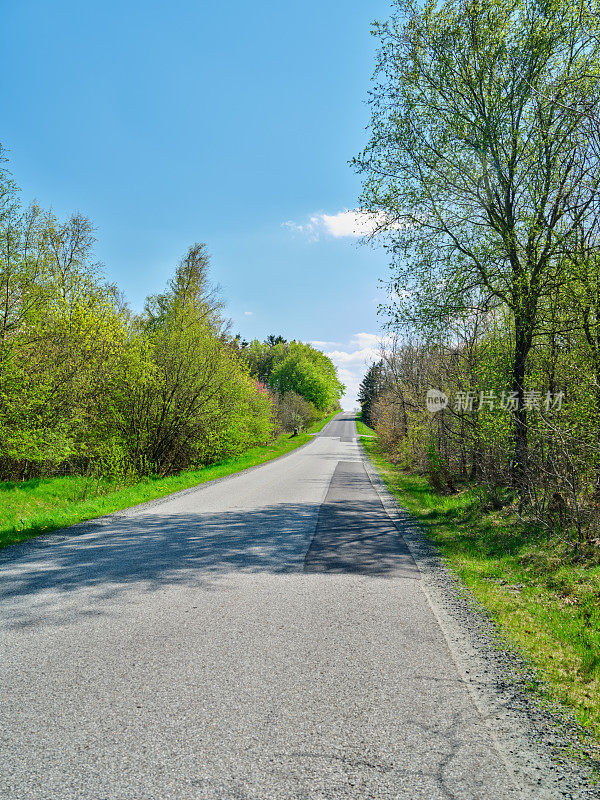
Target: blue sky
[224,122]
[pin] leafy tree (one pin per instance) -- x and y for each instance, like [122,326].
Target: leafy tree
[479,166]
[61,338]
[198,401]
[309,373]
[371,387]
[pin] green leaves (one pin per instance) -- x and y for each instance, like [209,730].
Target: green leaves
[485,133]
[309,373]
[85,385]
[295,367]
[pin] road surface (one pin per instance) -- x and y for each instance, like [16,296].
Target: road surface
[265,636]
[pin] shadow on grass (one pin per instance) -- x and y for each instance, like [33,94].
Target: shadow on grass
[32,483]
[43,505]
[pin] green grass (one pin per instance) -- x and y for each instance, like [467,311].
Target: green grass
[41,505]
[362,429]
[543,596]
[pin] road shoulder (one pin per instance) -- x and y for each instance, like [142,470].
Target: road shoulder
[534,742]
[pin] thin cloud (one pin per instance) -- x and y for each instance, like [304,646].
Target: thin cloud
[321,345]
[352,360]
[350,223]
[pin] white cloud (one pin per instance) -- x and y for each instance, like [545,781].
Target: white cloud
[347,223]
[321,345]
[352,361]
[248,313]
[352,223]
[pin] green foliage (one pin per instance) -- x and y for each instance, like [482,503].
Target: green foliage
[297,368]
[309,373]
[263,357]
[88,387]
[483,166]
[61,342]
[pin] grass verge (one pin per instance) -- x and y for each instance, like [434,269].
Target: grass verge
[362,429]
[38,506]
[543,596]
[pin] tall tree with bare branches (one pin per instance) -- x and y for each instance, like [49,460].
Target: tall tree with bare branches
[480,160]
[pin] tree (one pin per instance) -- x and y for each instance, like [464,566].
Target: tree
[309,373]
[263,357]
[478,168]
[62,337]
[272,340]
[195,401]
[370,389]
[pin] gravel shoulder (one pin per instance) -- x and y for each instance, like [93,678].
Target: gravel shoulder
[548,753]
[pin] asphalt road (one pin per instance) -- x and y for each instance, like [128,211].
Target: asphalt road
[265,636]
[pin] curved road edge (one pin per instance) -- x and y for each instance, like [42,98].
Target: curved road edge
[79,528]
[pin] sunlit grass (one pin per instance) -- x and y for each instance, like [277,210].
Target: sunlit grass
[362,429]
[544,597]
[41,505]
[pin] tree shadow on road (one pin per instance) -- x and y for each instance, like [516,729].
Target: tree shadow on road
[152,551]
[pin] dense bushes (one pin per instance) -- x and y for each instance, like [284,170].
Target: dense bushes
[302,379]
[88,386]
[293,411]
[471,439]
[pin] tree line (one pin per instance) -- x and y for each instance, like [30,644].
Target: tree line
[483,173]
[87,385]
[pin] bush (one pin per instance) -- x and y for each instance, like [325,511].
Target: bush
[293,411]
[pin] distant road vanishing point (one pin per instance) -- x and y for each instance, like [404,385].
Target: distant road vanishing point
[264,636]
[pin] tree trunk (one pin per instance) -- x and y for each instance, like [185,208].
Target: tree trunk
[520,452]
